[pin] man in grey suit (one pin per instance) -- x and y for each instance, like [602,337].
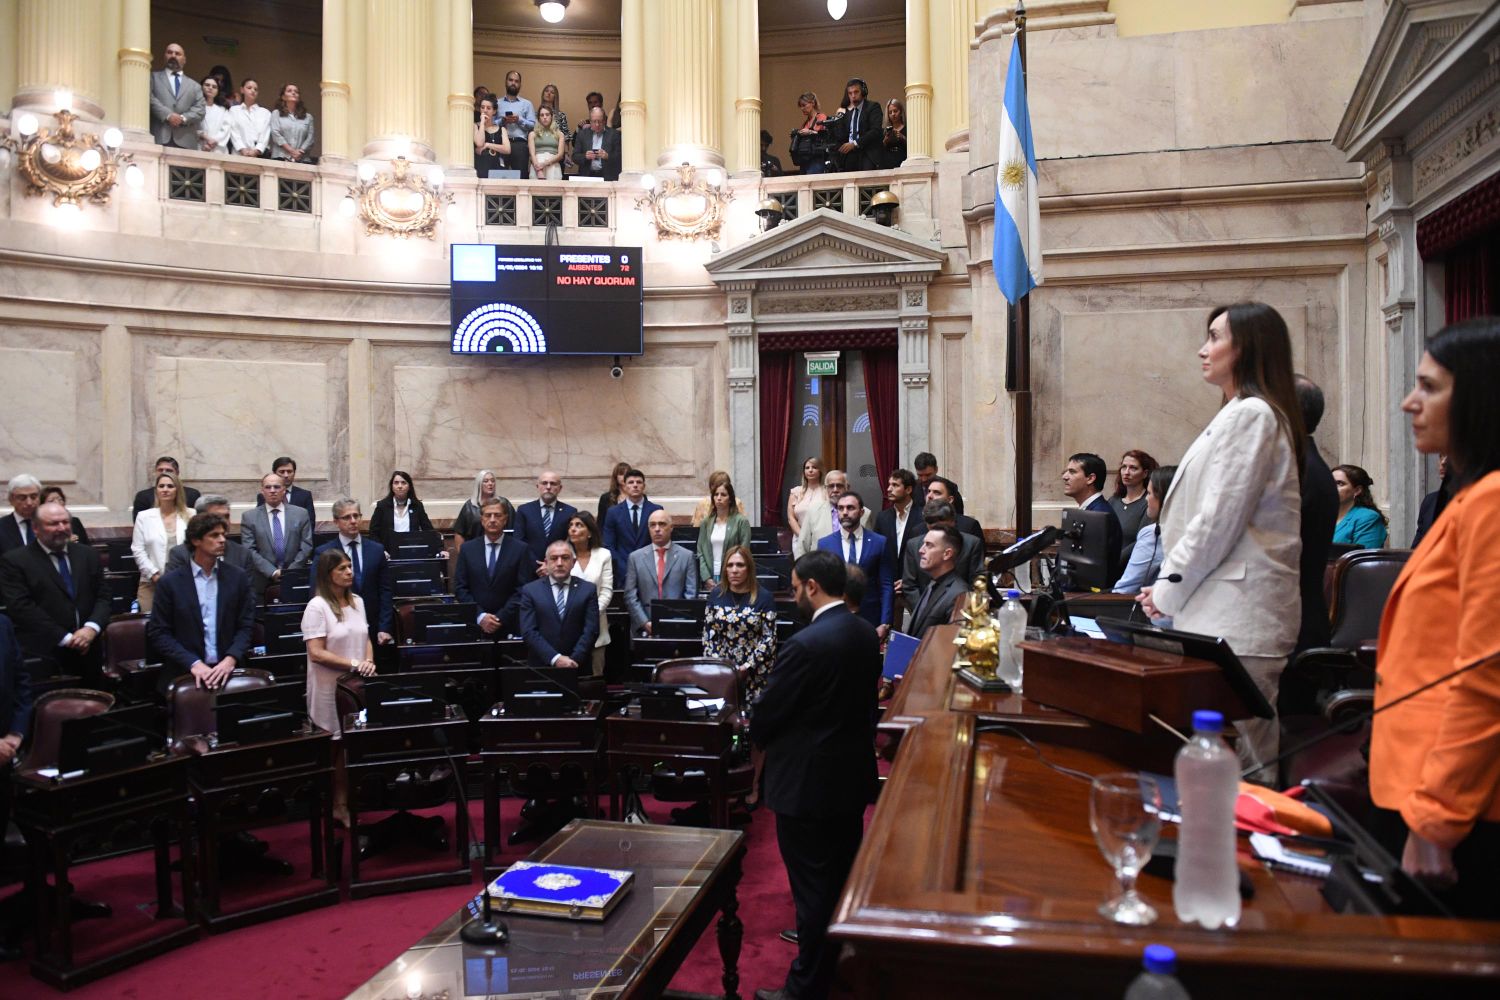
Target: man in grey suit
[176,102]
[278,535]
[659,570]
[235,554]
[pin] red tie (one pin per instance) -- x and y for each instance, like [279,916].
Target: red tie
[661,569]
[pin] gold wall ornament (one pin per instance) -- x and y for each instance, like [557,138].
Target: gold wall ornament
[689,206]
[402,202]
[69,165]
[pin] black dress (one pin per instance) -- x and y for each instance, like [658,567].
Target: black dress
[487,160]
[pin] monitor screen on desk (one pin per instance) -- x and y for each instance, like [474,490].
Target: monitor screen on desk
[1204,647]
[445,623]
[1083,549]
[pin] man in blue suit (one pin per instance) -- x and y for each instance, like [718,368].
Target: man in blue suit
[372,570]
[1083,482]
[559,613]
[189,598]
[545,519]
[865,549]
[492,570]
[625,526]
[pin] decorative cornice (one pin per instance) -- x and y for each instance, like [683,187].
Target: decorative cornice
[1472,140]
[872,302]
[1456,104]
[741,383]
[916,380]
[1043,15]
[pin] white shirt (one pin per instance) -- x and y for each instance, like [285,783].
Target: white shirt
[1089,500]
[859,542]
[817,613]
[401,516]
[24,526]
[717,535]
[249,126]
[215,126]
[902,516]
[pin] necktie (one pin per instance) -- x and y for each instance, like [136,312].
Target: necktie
[661,570]
[494,554]
[65,571]
[854,124]
[176,84]
[354,560]
[851,549]
[635,518]
[278,539]
[25,532]
[560,594]
[547,519]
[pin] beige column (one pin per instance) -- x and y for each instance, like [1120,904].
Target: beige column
[746,147]
[690,98]
[334,87]
[10,17]
[952,32]
[632,86]
[918,81]
[458,140]
[355,26]
[398,44]
[134,61]
[57,49]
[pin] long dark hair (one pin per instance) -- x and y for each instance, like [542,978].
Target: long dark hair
[1471,352]
[583,517]
[297,112]
[411,487]
[616,479]
[1148,466]
[1263,368]
[1360,480]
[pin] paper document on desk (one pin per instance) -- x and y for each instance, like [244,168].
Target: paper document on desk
[707,704]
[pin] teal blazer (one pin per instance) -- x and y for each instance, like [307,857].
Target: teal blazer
[737,533]
[1361,526]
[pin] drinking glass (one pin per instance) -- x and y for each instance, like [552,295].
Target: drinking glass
[1123,813]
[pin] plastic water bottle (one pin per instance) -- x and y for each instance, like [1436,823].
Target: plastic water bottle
[1157,981]
[1207,887]
[1012,619]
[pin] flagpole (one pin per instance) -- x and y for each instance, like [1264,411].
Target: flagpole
[1019,380]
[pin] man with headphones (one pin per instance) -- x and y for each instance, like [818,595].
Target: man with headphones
[860,129]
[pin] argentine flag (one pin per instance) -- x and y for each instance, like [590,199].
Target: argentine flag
[1017,253]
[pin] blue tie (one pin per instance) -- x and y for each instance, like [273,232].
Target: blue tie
[278,539]
[851,549]
[354,559]
[547,520]
[176,84]
[66,572]
[494,554]
[561,592]
[635,517]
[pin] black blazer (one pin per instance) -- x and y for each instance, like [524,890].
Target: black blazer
[39,605]
[1320,515]
[914,579]
[938,606]
[15,683]
[871,128]
[374,584]
[816,718]
[146,499]
[885,523]
[297,497]
[583,141]
[174,631]
[529,526]
[383,522]
[499,593]
[546,635]
[10,536]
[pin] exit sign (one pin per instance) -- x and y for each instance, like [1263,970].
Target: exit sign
[823,365]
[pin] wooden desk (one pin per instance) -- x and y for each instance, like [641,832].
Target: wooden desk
[979,872]
[683,876]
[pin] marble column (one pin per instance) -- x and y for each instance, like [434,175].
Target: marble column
[745,161]
[134,62]
[458,143]
[398,43]
[916,373]
[632,86]
[744,397]
[334,87]
[952,32]
[690,83]
[1392,218]
[918,81]
[10,12]
[120,465]
[57,44]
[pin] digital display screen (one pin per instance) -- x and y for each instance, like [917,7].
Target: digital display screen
[546,300]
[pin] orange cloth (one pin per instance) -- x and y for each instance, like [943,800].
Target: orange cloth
[1262,810]
[1436,758]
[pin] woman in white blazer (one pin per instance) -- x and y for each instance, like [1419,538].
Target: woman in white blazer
[1231,521]
[593,565]
[156,531]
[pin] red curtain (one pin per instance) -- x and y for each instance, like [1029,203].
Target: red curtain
[1471,280]
[882,390]
[775,430]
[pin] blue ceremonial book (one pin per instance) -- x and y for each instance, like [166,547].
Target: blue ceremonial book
[899,649]
[559,890]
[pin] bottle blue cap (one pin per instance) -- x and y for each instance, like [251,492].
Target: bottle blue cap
[1208,722]
[1012,595]
[1160,959]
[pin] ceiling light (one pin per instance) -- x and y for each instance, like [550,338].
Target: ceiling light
[552,10]
[836,8]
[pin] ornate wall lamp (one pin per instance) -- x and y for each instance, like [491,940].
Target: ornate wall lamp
[404,201]
[689,206]
[69,165]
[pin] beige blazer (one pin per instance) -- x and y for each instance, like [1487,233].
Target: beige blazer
[1231,527]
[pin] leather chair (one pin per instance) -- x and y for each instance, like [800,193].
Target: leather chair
[51,710]
[671,781]
[190,708]
[124,639]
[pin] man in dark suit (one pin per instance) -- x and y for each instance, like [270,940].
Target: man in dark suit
[1320,515]
[815,720]
[286,468]
[559,613]
[860,129]
[865,549]
[491,571]
[372,580]
[278,535]
[15,527]
[235,554]
[176,100]
[914,578]
[55,595]
[626,525]
[188,597]
[544,520]
[596,148]
[946,491]
[146,498]
[902,520]
[1083,482]
[939,554]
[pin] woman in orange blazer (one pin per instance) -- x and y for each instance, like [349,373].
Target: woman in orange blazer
[1435,759]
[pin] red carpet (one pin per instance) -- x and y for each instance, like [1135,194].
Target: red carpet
[330,951]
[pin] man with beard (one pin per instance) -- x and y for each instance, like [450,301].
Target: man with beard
[815,720]
[518,118]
